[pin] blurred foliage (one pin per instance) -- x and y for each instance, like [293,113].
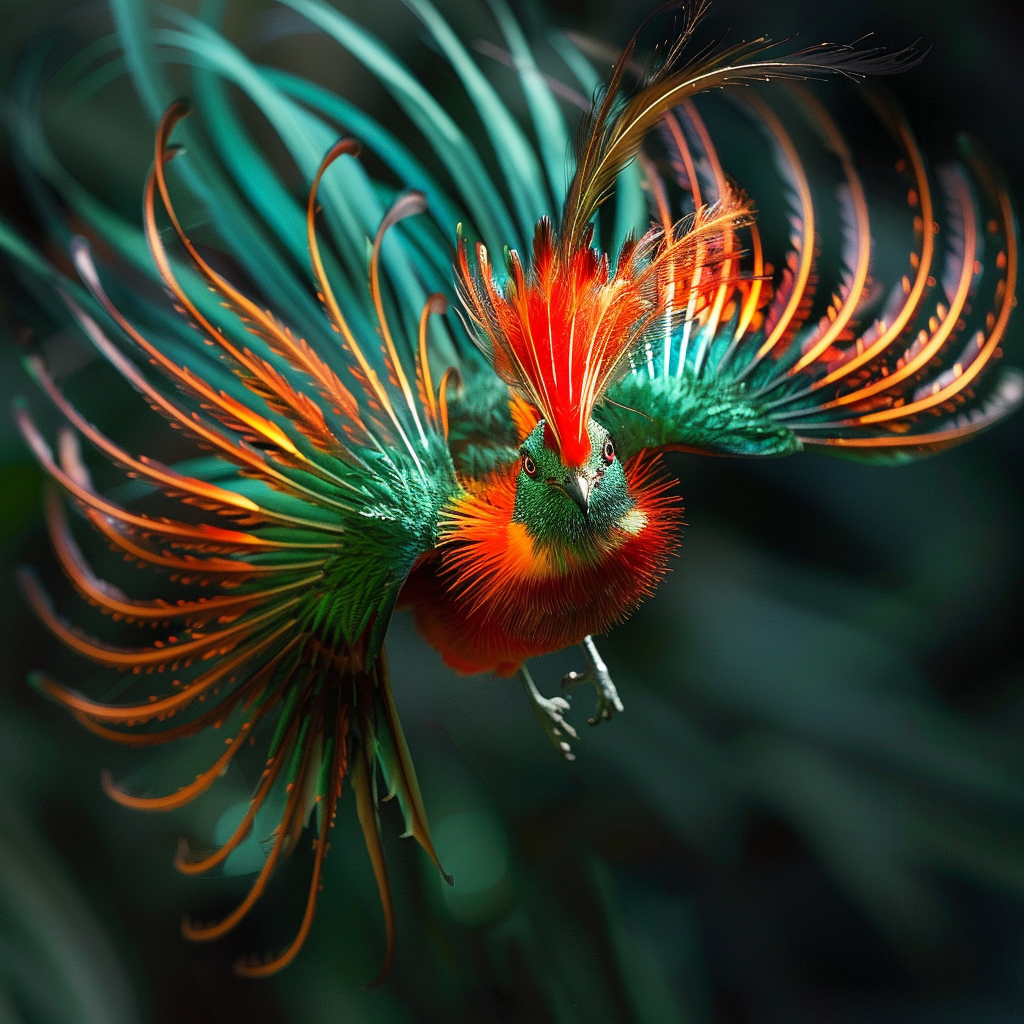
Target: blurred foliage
[812,810]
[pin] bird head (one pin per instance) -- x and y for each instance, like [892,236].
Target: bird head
[570,505]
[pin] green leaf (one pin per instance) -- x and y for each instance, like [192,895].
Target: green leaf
[478,192]
[549,124]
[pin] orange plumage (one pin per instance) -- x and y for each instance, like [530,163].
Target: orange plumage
[491,596]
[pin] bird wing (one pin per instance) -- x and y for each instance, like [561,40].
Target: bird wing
[330,458]
[327,471]
[884,365]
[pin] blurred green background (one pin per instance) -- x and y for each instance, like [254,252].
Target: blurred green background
[812,810]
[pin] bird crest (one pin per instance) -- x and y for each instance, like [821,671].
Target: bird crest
[560,331]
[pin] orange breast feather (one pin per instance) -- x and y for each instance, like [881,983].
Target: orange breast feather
[494,597]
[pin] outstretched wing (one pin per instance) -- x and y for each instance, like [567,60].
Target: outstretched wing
[327,473]
[884,364]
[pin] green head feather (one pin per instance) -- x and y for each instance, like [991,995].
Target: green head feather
[570,506]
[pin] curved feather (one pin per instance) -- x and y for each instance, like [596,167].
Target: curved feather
[618,126]
[907,382]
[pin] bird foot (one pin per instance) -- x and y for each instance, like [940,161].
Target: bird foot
[550,712]
[596,673]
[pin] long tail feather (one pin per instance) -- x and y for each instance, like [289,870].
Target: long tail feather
[618,126]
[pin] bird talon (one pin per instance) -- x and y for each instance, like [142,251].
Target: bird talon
[596,673]
[550,712]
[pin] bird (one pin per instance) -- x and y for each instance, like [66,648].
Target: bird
[407,395]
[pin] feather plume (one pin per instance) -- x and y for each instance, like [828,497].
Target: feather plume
[616,127]
[562,330]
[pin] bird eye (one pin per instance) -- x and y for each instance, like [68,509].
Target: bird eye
[609,450]
[529,466]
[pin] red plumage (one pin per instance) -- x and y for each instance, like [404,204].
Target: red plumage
[560,333]
[492,596]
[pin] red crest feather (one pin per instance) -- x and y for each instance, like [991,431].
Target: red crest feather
[560,333]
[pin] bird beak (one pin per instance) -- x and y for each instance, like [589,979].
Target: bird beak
[578,487]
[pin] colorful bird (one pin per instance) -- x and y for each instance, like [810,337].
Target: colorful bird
[497,472]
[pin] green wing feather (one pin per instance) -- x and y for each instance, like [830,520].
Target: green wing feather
[828,351]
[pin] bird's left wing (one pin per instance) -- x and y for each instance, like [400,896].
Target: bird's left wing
[885,365]
[332,457]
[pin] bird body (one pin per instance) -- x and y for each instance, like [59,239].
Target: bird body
[362,450]
[496,594]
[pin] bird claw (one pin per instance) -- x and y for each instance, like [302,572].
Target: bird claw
[596,673]
[550,712]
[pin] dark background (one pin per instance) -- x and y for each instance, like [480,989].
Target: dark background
[812,810]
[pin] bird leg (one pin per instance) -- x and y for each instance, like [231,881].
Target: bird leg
[550,713]
[608,700]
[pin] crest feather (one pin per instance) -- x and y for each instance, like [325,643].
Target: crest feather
[560,333]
